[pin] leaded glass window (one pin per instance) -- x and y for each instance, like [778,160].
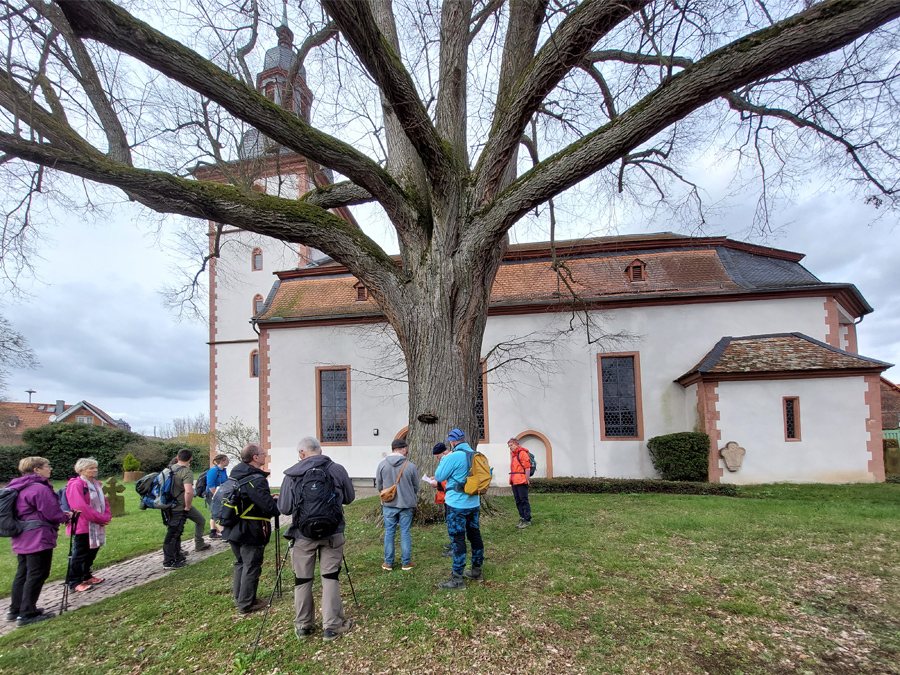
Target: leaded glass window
[620,417]
[791,419]
[479,407]
[333,405]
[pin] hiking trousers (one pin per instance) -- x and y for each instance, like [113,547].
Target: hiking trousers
[520,494]
[172,543]
[248,561]
[199,524]
[303,559]
[462,524]
[31,573]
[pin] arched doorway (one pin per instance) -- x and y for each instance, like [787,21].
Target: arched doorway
[539,446]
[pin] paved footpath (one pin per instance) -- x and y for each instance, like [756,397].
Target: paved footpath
[116,579]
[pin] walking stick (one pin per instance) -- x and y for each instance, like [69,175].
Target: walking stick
[271,597]
[278,584]
[64,604]
[347,570]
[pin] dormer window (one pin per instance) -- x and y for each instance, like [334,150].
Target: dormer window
[362,293]
[636,271]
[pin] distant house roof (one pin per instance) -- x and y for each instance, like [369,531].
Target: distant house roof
[84,405]
[782,355]
[890,404]
[676,268]
[26,415]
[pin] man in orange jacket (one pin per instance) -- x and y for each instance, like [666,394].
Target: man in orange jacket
[519,478]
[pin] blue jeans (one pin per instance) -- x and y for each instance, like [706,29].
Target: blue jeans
[393,516]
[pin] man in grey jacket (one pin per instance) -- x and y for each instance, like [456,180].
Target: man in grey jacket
[330,550]
[397,469]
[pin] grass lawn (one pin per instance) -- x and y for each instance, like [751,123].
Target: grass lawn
[797,579]
[134,533]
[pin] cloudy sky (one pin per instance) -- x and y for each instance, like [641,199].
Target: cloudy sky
[98,325]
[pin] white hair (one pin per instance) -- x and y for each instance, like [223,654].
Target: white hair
[310,446]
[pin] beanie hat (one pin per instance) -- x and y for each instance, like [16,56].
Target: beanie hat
[513,440]
[456,435]
[398,443]
[438,449]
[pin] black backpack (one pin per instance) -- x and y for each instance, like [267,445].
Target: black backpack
[200,486]
[10,525]
[317,510]
[228,505]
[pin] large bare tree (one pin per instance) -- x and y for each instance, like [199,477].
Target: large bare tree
[597,87]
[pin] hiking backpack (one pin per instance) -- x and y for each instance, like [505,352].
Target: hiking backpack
[479,475]
[531,460]
[200,486]
[228,503]
[317,511]
[10,525]
[156,490]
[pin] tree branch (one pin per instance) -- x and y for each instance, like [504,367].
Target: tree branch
[824,28]
[103,21]
[336,195]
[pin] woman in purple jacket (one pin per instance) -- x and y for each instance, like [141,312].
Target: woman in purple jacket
[85,495]
[34,547]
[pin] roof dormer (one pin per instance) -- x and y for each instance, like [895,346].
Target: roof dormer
[636,271]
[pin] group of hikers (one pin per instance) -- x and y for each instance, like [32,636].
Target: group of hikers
[313,493]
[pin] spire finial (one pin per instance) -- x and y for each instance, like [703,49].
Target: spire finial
[284,15]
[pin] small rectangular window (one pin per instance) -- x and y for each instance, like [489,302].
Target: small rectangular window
[791,418]
[254,364]
[85,420]
[620,397]
[258,306]
[333,399]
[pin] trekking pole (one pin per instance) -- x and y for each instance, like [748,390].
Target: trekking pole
[64,604]
[278,555]
[271,597]
[347,570]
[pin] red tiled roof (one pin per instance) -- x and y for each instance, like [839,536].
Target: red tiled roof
[781,353]
[30,415]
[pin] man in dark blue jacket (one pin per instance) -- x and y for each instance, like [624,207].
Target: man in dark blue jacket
[248,538]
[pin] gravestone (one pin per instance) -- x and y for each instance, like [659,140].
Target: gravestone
[113,491]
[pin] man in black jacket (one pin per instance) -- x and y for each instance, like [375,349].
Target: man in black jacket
[330,549]
[249,537]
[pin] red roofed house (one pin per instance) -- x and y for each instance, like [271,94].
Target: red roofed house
[704,333]
[15,418]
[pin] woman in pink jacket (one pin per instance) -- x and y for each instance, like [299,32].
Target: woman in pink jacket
[85,495]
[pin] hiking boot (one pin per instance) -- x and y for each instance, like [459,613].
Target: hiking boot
[215,535]
[201,546]
[448,547]
[386,567]
[303,633]
[177,565]
[334,633]
[83,586]
[408,566]
[474,574]
[523,524]
[23,621]
[455,581]
[257,605]
[447,554]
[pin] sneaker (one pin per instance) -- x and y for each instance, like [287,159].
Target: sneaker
[257,605]
[334,633]
[83,586]
[303,633]
[386,567]
[447,554]
[215,535]
[408,566]
[177,565]
[523,524]
[94,580]
[23,621]
[12,616]
[448,547]
[201,546]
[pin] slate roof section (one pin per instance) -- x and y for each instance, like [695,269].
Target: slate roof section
[693,269]
[778,353]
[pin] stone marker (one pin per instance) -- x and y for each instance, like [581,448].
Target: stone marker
[112,490]
[733,454]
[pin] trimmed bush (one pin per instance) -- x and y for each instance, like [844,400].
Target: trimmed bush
[130,463]
[682,456]
[64,444]
[629,486]
[9,461]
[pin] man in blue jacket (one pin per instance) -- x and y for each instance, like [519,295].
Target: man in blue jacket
[462,511]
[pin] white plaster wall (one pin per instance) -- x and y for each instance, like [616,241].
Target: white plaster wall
[237,394]
[374,404]
[237,283]
[561,403]
[832,428]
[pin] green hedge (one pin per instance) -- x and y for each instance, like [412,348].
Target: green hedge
[64,444]
[629,486]
[681,456]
